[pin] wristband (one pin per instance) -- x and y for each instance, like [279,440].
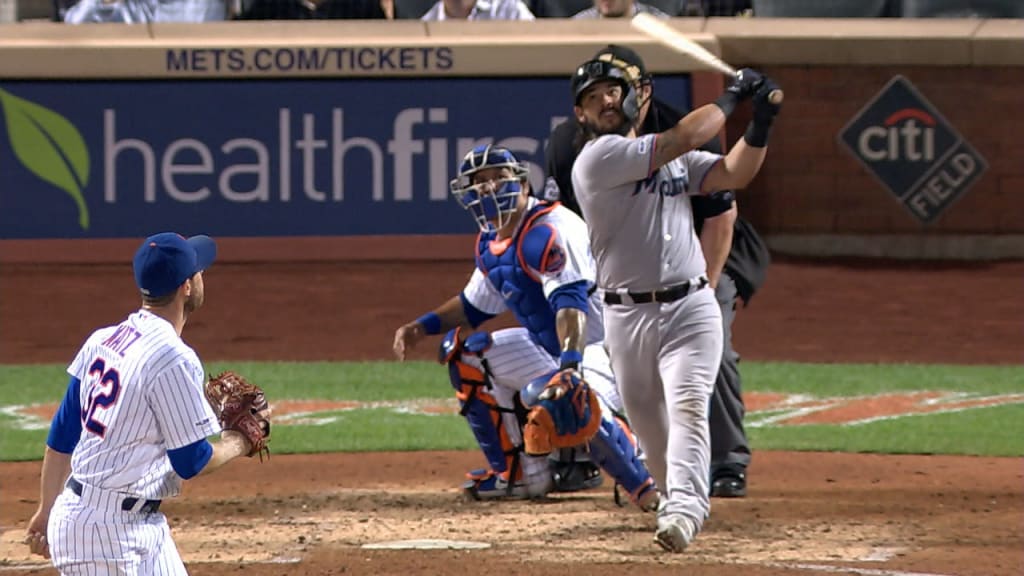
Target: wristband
[570,359]
[727,102]
[431,323]
[757,133]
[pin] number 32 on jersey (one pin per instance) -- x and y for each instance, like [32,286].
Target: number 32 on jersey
[104,387]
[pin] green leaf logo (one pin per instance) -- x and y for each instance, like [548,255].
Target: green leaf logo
[48,146]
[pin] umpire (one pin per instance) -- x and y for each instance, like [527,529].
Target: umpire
[724,236]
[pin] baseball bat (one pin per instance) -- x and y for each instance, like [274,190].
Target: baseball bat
[678,42]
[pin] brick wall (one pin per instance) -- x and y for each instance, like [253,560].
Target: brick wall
[811,184]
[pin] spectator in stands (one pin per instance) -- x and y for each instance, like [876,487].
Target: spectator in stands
[478,10]
[619,9]
[141,11]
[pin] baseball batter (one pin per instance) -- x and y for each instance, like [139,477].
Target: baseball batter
[664,327]
[736,255]
[533,259]
[133,424]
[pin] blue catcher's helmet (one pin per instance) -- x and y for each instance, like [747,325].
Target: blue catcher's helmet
[492,201]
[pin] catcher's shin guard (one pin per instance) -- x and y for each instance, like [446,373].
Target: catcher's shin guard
[613,450]
[504,478]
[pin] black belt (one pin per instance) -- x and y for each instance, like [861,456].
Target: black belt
[128,504]
[670,294]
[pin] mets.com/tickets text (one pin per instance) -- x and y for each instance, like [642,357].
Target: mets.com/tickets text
[325,59]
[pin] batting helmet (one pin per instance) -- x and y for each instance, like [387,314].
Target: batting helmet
[492,201]
[607,67]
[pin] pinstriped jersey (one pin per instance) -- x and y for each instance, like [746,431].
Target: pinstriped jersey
[575,263]
[641,221]
[141,395]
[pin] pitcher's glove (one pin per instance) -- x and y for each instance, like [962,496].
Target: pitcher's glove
[241,406]
[564,412]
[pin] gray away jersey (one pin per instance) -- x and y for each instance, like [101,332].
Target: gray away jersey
[641,224]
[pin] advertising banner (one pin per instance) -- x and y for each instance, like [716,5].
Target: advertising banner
[262,158]
[906,143]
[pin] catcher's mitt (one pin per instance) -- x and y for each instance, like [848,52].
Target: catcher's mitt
[563,414]
[242,407]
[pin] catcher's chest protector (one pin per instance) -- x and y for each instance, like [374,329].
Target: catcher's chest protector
[524,296]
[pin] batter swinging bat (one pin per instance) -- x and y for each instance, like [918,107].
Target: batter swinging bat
[677,41]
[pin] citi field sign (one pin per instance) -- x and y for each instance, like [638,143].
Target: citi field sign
[252,158]
[914,152]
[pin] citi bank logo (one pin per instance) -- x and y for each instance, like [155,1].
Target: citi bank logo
[49,146]
[905,135]
[913,150]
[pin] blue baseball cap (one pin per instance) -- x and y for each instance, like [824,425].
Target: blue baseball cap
[165,261]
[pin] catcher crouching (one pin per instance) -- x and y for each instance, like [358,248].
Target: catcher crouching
[532,259]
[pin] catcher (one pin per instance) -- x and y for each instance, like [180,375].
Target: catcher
[545,385]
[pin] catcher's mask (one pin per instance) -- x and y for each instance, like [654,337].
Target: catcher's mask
[607,67]
[491,202]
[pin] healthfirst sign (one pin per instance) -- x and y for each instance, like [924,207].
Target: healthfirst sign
[262,158]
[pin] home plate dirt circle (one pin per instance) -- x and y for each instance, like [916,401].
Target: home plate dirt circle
[427,544]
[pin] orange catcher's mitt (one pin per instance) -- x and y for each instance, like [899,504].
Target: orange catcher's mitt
[241,406]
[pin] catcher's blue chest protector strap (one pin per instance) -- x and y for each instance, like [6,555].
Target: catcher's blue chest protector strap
[481,410]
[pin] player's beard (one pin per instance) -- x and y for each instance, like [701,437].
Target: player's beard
[194,301]
[598,128]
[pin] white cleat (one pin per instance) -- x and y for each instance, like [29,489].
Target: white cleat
[674,533]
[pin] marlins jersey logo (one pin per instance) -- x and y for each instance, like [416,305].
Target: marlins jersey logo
[677,181]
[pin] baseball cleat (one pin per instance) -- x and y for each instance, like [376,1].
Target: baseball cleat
[673,534]
[649,500]
[489,485]
[729,485]
[575,476]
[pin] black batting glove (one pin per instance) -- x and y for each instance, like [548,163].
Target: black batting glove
[743,87]
[764,110]
[764,114]
[746,83]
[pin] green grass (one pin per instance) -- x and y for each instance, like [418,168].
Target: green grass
[378,430]
[862,379]
[993,431]
[363,381]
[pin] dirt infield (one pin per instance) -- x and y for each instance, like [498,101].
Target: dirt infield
[806,514]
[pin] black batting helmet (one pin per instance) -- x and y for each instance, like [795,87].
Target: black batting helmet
[607,67]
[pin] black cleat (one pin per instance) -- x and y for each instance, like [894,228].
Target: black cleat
[575,476]
[729,485]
